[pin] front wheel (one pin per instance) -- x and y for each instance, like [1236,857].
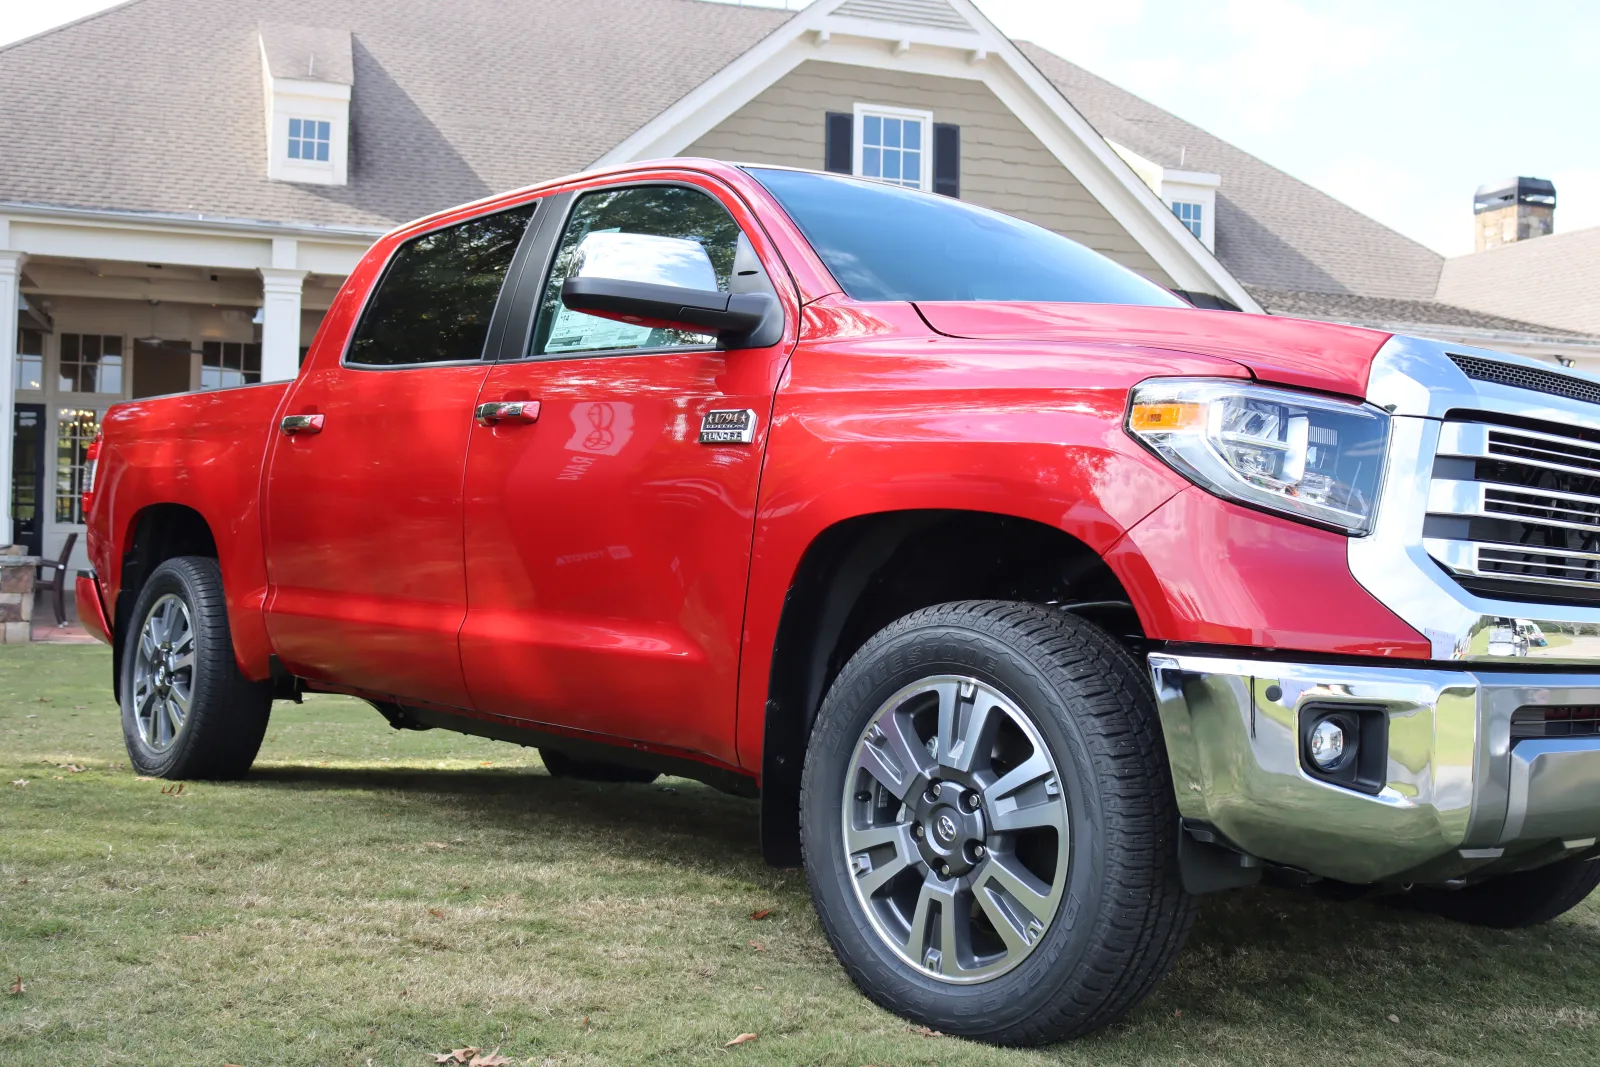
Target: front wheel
[1512,901]
[187,712]
[989,825]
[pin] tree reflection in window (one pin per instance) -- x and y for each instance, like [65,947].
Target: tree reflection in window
[435,300]
[658,210]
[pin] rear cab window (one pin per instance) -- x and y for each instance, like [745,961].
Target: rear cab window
[437,295]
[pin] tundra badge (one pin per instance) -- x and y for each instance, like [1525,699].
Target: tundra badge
[728,427]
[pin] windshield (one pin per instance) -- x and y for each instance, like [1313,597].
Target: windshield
[882,242]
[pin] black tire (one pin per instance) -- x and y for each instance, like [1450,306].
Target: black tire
[1513,901]
[1124,914]
[561,765]
[227,715]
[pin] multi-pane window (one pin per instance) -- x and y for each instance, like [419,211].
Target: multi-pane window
[229,363]
[1190,215]
[76,429]
[894,147]
[308,140]
[30,360]
[90,363]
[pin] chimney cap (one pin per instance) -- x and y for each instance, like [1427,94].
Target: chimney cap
[1514,191]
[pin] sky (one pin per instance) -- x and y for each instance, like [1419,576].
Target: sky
[1400,108]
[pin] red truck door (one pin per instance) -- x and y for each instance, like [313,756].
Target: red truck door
[363,497]
[607,540]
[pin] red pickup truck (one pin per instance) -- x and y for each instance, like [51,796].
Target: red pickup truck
[1030,600]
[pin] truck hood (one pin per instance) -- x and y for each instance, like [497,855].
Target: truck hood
[1291,352]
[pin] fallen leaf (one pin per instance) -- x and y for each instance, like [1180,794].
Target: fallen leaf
[74,768]
[443,1057]
[1178,1014]
[925,1031]
[741,1039]
[143,778]
[462,1055]
[172,790]
[436,913]
[760,914]
[1394,1018]
[436,844]
[488,763]
[758,946]
[493,1059]
[20,783]
[17,988]
[193,937]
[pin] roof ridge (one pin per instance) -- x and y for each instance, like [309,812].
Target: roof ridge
[1585,231]
[90,17]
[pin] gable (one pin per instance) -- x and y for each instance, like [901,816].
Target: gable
[1004,166]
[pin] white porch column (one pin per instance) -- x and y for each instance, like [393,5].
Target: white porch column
[10,290]
[280,323]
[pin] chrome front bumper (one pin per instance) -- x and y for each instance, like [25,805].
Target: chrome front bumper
[1458,796]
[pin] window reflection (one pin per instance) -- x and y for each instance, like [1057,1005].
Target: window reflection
[75,431]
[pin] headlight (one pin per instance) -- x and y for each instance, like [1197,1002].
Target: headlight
[1305,456]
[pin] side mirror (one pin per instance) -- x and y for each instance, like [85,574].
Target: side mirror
[738,320]
[668,282]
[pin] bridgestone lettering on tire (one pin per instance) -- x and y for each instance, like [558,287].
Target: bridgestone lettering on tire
[187,712]
[989,827]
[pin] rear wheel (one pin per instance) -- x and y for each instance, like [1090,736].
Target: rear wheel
[1511,901]
[561,765]
[187,712]
[989,825]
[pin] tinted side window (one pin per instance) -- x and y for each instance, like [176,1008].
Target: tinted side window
[434,301]
[688,217]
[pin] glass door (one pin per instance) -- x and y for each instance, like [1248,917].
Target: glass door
[27,478]
[75,431]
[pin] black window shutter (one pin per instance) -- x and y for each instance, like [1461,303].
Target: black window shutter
[947,159]
[840,152]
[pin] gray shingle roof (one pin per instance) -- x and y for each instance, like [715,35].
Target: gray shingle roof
[156,105]
[1397,314]
[1553,279]
[1272,229]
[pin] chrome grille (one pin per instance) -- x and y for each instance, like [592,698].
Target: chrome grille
[1516,512]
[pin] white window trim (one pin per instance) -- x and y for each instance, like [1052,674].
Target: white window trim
[925,173]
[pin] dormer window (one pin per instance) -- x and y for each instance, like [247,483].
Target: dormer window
[308,140]
[307,76]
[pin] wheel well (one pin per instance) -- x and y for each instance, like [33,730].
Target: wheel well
[161,532]
[863,573]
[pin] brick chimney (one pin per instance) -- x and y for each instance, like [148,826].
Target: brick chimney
[1517,209]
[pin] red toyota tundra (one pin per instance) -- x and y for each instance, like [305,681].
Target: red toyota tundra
[1030,600]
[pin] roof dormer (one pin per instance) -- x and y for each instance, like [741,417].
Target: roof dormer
[307,73]
[1191,194]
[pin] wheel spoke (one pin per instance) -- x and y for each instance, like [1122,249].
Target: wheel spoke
[147,642]
[1007,873]
[1007,816]
[173,716]
[898,760]
[1030,770]
[1005,924]
[930,895]
[184,662]
[968,719]
[866,847]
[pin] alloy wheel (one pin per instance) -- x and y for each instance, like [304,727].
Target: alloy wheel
[956,830]
[163,673]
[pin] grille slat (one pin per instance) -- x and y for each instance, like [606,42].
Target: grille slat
[1529,514]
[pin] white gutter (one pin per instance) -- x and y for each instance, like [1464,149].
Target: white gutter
[196,222]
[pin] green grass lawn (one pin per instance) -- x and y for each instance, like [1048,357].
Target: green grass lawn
[370,897]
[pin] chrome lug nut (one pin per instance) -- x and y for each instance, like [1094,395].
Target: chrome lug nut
[944,869]
[971,801]
[978,852]
[917,830]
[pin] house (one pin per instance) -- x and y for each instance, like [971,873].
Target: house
[187,182]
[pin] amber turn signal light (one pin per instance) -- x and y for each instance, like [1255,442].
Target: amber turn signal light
[1166,416]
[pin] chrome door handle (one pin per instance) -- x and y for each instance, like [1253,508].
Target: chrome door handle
[507,411]
[295,424]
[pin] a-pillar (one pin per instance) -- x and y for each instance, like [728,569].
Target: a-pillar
[10,291]
[281,285]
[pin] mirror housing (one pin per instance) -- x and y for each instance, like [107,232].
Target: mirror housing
[737,320]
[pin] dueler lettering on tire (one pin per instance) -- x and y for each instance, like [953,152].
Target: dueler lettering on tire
[988,824]
[186,710]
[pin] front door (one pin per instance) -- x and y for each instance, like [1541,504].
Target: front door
[363,497]
[27,478]
[608,543]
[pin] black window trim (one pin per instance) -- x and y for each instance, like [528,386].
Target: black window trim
[501,304]
[531,284]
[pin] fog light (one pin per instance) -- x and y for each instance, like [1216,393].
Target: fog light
[1327,744]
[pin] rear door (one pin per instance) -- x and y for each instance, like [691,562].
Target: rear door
[608,541]
[363,497]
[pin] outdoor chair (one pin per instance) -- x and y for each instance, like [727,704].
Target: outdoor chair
[58,585]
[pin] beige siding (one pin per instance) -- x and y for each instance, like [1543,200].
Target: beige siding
[1003,165]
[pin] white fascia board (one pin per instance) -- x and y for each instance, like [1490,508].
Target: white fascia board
[1016,81]
[311,90]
